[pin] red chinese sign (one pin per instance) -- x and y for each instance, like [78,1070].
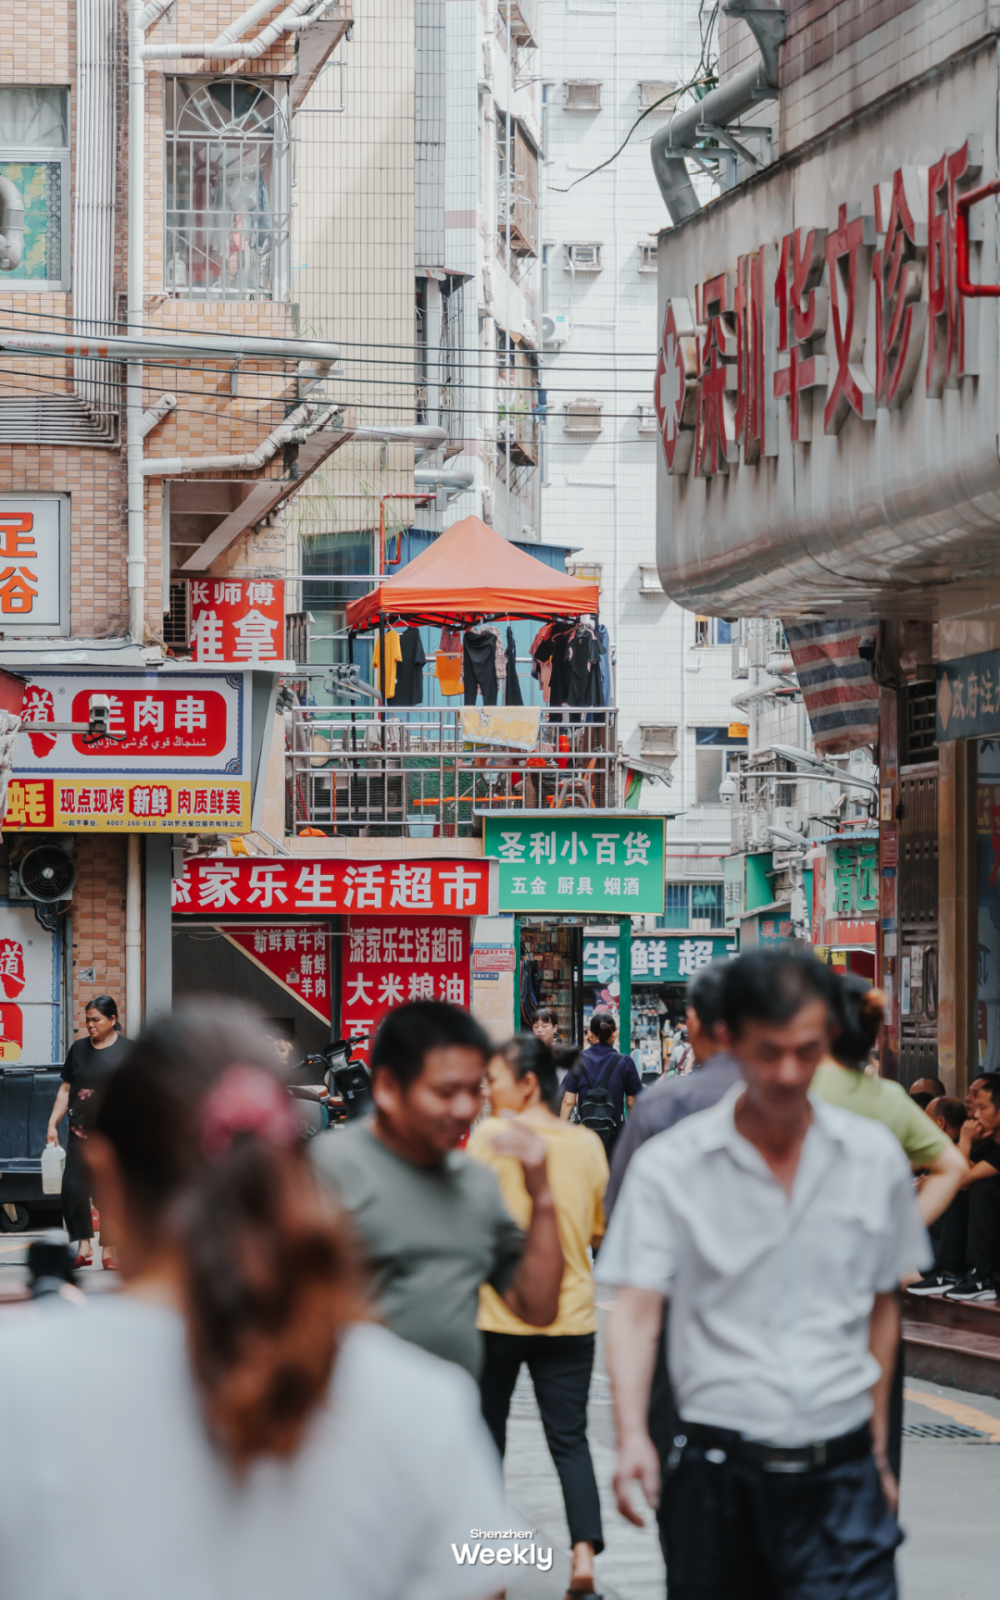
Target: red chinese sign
[171,721]
[745,359]
[238,619]
[386,963]
[18,564]
[455,888]
[298,958]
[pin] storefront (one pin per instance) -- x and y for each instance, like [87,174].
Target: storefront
[568,878]
[829,398]
[661,965]
[325,947]
[91,818]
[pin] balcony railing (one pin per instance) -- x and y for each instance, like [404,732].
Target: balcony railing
[413,772]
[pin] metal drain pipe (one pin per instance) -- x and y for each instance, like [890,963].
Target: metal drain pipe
[671,145]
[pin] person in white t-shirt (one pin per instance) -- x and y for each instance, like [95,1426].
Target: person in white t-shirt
[234,1428]
[778,1228]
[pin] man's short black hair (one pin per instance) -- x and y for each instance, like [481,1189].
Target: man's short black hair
[409,1032]
[704,994]
[989,1083]
[773,985]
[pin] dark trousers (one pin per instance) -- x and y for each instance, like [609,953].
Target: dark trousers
[76,1192]
[970,1231]
[735,1532]
[560,1368]
[479,671]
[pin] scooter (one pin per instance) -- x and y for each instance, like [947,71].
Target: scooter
[339,1089]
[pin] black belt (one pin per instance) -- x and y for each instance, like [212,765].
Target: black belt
[774,1457]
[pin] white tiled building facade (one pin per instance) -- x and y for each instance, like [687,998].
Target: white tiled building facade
[602,64]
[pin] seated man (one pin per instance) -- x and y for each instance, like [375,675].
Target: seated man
[949,1114]
[967,1252]
[924,1090]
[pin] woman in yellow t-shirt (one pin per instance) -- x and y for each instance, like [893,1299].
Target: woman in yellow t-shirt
[560,1358]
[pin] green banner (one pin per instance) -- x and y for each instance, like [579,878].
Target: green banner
[578,861]
[663,958]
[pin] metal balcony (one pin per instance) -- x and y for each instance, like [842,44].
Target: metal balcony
[393,773]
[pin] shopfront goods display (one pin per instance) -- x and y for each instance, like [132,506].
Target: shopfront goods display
[551,976]
[662,966]
[389,961]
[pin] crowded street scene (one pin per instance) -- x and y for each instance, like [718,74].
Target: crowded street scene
[499,799]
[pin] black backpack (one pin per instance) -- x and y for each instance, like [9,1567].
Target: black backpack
[596,1108]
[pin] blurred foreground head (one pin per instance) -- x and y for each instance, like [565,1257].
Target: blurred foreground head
[781,1011]
[428,1060]
[208,1187]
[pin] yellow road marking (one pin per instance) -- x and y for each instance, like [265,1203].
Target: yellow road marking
[967,1415]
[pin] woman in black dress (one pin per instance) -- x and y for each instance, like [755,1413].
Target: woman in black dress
[88,1063]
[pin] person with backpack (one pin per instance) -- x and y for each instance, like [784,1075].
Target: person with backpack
[601,1084]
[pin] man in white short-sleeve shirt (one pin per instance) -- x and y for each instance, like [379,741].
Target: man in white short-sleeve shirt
[778,1228]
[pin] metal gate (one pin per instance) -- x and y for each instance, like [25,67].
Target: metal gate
[917,911]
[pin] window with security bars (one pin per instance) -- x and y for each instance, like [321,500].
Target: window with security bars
[699,906]
[227,188]
[919,723]
[175,621]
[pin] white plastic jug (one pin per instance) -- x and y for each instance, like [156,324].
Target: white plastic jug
[53,1162]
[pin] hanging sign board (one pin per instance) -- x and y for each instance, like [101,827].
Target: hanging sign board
[578,861]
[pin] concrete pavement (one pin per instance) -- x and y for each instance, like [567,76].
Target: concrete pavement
[950,1490]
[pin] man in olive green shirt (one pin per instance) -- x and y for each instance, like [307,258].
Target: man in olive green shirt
[432,1221]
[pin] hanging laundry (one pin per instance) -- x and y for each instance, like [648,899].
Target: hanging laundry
[602,639]
[451,641]
[448,671]
[393,656]
[479,665]
[512,687]
[410,677]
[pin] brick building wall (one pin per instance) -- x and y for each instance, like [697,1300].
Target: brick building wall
[99,923]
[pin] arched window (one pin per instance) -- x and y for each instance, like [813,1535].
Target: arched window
[227,188]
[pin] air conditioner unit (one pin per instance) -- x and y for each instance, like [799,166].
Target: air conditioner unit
[45,873]
[582,257]
[658,740]
[556,328]
[581,95]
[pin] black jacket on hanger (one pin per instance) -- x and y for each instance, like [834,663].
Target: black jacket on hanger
[512,689]
[410,671]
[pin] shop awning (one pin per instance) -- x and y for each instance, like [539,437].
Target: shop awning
[469,574]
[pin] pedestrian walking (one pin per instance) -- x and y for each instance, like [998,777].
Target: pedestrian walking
[602,1084]
[674,1098]
[432,1221]
[89,1062]
[778,1227]
[522,1084]
[842,1081]
[546,1026]
[255,1433]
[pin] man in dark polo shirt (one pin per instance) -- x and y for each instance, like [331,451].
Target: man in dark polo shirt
[432,1221]
[673,1099]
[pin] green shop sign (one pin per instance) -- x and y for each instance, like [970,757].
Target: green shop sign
[577,862]
[670,958]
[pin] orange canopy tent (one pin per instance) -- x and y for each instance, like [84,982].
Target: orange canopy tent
[469,574]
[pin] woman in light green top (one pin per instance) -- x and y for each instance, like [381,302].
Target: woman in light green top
[843,1082]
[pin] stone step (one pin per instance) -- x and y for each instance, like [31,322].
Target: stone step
[981,1316]
[955,1354]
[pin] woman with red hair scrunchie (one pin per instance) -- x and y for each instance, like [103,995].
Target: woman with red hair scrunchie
[252,1431]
